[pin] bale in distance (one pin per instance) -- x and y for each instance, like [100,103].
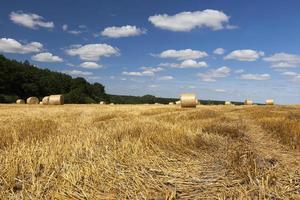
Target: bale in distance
[41,103]
[177,102]
[102,102]
[171,103]
[32,100]
[20,101]
[248,102]
[227,103]
[188,101]
[270,102]
[56,99]
[45,100]
[111,104]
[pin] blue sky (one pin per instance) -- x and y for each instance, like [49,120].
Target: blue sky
[224,50]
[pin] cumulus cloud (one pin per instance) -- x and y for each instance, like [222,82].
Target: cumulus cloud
[152,69]
[212,75]
[78,73]
[283,60]
[46,57]
[90,65]
[292,76]
[186,21]
[219,51]
[123,31]
[183,54]
[30,20]
[8,45]
[143,73]
[255,77]
[166,78]
[92,52]
[185,64]
[244,55]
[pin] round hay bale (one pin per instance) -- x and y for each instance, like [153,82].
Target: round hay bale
[111,104]
[56,99]
[177,102]
[171,103]
[270,102]
[156,104]
[248,102]
[227,103]
[20,101]
[32,100]
[41,103]
[188,101]
[45,100]
[102,102]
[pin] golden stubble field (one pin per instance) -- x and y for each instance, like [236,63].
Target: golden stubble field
[149,152]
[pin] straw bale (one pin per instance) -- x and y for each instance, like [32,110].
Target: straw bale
[45,100]
[56,99]
[188,100]
[20,101]
[32,100]
[270,102]
[248,102]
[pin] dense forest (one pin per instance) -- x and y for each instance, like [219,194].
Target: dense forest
[22,80]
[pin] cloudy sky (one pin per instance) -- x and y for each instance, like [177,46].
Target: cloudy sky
[223,50]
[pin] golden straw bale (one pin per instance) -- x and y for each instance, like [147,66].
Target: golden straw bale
[227,103]
[56,99]
[177,102]
[32,100]
[248,102]
[41,103]
[45,100]
[102,102]
[270,102]
[171,103]
[20,101]
[188,100]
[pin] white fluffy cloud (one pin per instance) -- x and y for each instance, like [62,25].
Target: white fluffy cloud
[183,54]
[143,73]
[8,45]
[46,57]
[192,64]
[123,31]
[255,77]
[283,60]
[185,64]
[92,52]
[90,65]
[244,55]
[152,69]
[219,51]
[292,76]
[30,20]
[166,78]
[212,75]
[186,21]
[78,73]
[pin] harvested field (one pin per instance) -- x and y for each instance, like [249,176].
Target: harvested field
[149,152]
